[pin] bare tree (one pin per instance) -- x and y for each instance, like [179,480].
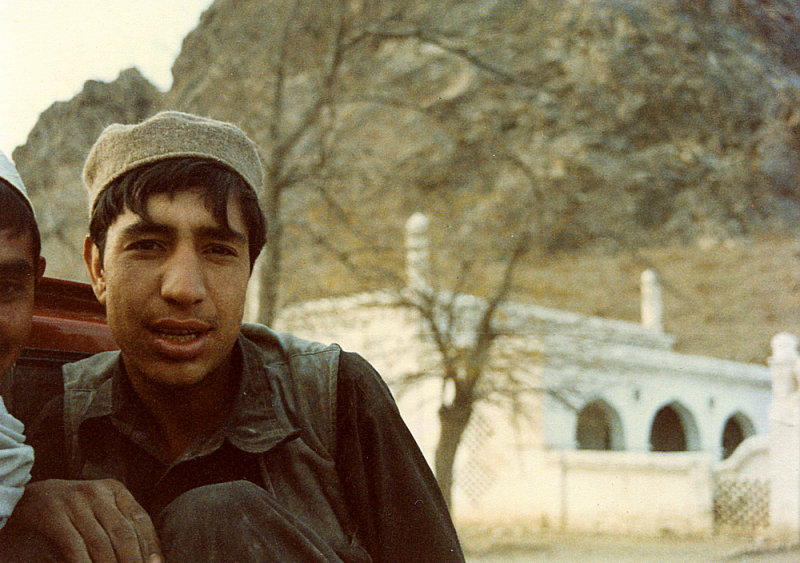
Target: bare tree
[464,365]
[289,158]
[465,370]
[282,172]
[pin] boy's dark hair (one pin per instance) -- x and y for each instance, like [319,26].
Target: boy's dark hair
[133,189]
[17,217]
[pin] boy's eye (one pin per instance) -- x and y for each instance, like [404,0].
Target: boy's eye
[145,245]
[221,250]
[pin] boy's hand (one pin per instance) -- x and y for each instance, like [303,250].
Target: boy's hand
[89,520]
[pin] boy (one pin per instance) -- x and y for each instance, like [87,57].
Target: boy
[20,266]
[205,439]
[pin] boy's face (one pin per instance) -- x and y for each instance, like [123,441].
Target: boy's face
[174,289]
[18,273]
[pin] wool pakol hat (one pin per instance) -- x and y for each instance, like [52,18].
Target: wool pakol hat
[8,172]
[169,134]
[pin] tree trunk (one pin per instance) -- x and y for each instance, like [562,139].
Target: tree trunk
[453,421]
[270,270]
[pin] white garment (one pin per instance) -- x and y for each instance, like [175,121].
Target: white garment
[16,460]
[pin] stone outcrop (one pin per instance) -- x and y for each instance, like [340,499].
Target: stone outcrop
[640,122]
[51,160]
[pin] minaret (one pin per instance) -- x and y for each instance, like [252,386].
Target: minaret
[652,306]
[418,253]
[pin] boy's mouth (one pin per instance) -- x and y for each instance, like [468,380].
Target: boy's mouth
[181,340]
[179,337]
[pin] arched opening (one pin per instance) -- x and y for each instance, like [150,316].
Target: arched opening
[737,428]
[673,430]
[598,427]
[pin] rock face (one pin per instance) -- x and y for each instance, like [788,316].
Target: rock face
[777,22]
[51,161]
[614,124]
[640,120]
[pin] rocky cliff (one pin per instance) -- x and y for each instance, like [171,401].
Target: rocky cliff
[608,125]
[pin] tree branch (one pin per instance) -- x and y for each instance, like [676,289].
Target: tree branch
[416,33]
[484,331]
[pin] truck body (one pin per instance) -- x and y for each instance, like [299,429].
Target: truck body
[68,324]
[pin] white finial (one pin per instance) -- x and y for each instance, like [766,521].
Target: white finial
[417,252]
[784,347]
[784,365]
[652,305]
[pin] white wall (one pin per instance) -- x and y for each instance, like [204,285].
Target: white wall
[520,468]
[624,492]
[592,491]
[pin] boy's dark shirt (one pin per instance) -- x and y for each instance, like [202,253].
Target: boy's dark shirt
[391,494]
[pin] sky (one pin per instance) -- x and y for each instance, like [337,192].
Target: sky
[49,48]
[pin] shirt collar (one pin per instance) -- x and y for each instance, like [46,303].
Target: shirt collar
[252,425]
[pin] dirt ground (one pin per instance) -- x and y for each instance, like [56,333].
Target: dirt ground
[558,547]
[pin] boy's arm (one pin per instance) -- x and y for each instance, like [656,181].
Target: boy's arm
[392,494]
[95,520]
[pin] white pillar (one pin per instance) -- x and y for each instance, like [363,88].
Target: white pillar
[418,253]
[784,440]
[652,306]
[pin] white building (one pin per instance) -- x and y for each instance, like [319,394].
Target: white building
[579,383]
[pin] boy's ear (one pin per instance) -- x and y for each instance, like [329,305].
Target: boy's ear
[94,264]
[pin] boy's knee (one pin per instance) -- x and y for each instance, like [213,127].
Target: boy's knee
[237,521]
[211,523]
[228,501]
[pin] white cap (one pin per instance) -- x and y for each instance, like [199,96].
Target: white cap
[8,172]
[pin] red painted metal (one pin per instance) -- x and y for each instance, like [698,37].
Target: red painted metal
[68,317]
